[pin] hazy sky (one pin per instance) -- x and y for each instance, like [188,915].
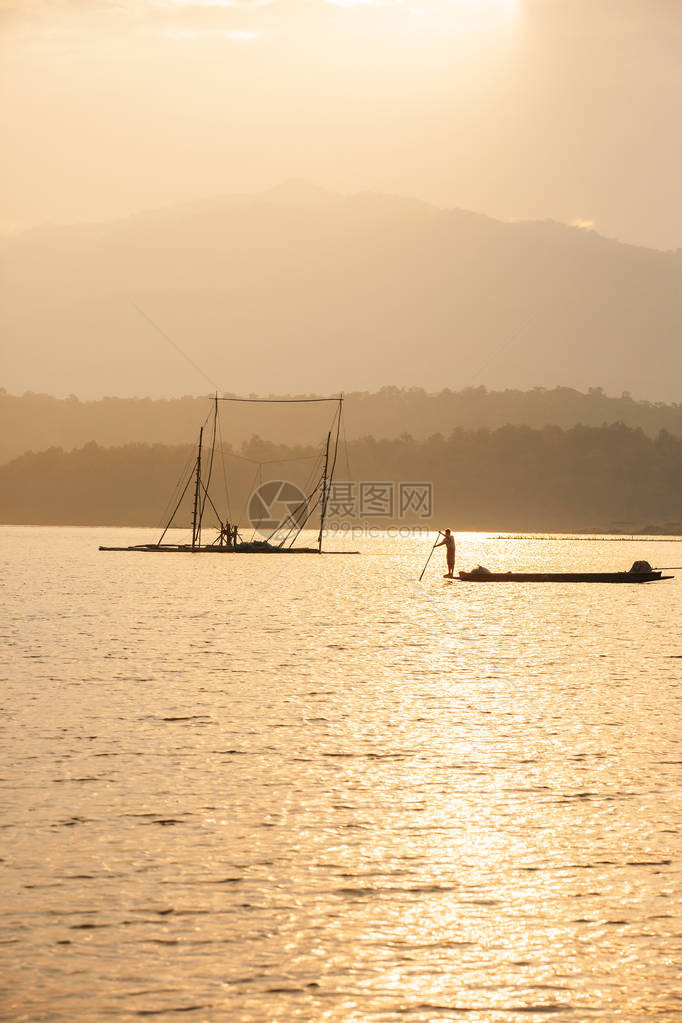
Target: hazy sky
[517,108]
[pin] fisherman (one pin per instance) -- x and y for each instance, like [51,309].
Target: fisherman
[449,542]
[235,535]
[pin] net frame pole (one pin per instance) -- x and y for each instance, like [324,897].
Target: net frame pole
[196,520]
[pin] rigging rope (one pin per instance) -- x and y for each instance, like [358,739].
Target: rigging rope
[275,401]
[345,448]
[222,455]
[210,471]
[189,480]
[186,470]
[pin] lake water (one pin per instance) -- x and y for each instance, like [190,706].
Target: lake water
[298,788]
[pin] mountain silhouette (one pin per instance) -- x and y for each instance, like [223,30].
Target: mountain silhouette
[298,289]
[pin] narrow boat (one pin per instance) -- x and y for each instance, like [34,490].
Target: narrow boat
[641,572]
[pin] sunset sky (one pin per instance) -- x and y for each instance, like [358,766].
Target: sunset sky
[561,109]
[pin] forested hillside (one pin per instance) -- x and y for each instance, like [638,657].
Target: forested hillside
[34,422]
[514,478]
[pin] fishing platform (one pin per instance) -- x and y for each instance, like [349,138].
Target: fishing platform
[280,536]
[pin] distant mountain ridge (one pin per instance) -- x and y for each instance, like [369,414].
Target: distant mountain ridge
[298,289]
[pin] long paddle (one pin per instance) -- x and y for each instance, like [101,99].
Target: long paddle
[429,557]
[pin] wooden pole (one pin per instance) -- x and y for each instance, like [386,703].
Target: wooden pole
[196,521]
[435,542]
[323,507]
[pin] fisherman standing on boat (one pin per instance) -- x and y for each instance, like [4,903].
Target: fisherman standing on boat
[449,542]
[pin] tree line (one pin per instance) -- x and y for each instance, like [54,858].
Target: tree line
[611,478]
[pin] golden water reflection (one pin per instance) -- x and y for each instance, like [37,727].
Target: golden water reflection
[336,794]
